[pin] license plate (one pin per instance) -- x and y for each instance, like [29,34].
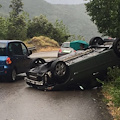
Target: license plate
[66,51]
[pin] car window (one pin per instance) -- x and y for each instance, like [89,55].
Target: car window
[24,49]
[15,49]
[66,45]
[2,49]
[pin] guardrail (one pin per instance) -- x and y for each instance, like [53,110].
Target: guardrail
[32,48]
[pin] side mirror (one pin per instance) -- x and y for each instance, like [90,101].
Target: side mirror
[29,52]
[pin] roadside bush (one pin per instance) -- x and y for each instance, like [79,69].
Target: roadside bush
[111,91]
[113,73]
[116,97]
[112,86]
[117,83]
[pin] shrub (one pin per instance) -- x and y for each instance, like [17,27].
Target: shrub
[112,86]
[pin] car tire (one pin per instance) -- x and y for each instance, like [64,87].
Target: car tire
[96,41]
[37,62]
[59,71]
[12,76]
[116,46]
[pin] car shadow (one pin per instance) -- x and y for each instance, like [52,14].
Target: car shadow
[18,78]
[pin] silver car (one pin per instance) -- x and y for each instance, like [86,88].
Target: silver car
[65,49]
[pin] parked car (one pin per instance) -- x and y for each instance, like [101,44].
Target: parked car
[71,47]
[78,69]
[65,49]
[14,59]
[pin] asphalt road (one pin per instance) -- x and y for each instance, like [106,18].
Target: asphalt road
[18,101]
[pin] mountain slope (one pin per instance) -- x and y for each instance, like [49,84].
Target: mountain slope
[73,16]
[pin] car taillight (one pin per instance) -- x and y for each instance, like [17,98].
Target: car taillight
[8,61]
[60,51]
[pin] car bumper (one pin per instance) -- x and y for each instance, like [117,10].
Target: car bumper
[39,84]
[5,70]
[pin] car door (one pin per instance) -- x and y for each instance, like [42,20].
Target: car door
[18,53]
[86,69]
[26,58]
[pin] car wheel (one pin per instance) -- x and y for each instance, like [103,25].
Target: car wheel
[96,41]
[116,46]
[37,62]
[60,71]
[13,75]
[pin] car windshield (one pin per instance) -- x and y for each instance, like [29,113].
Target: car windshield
[66,45]
[2,49]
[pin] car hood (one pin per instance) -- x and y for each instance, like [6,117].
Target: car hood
[3,60]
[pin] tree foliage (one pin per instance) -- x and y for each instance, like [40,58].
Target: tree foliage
[106,15]
[61,33]
[3,27]
[19,26]
[17,21]
[41,26]
[17,7]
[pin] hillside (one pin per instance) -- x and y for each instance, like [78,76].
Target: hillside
[73,16]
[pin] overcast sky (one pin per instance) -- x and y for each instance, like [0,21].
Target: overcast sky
[67,1]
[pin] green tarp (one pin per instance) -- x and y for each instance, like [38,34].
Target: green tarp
[76,44]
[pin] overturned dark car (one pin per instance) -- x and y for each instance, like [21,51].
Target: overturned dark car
[77,69]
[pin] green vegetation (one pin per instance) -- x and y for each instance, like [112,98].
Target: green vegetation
[19,26]
[17,7]
[111,90]
[3,27]
[74,17]
[106,15]
[41,26]
[114,82]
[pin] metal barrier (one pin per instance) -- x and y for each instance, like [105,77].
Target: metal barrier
[32,48]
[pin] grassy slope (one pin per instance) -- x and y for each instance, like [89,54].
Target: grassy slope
[42,43]
[73,16]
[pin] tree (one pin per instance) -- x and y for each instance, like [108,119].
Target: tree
[39,26]
[106,15]
[3,27]
[61,33]
[17,7]
[17,28]
[0,5]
